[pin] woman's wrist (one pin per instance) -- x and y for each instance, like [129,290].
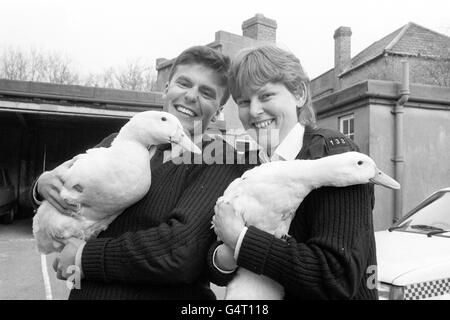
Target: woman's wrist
[224,258]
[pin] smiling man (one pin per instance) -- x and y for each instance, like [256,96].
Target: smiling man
[156,249]
[192,94]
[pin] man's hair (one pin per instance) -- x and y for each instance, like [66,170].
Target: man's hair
[209,58]
[252,68]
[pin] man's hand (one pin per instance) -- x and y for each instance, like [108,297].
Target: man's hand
[66,258]
[49,186]
[227,224]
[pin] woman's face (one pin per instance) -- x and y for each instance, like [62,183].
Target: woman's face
[268,113]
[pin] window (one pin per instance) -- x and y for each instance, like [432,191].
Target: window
[347,126]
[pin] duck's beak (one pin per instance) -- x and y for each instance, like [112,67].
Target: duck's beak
[180,138]
[384,180]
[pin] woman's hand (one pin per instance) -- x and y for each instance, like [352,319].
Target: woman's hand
[227,224]
[224,258]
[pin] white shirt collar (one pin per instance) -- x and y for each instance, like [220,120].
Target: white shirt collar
[289,148]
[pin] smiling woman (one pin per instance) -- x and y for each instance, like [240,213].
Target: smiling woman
[328,249]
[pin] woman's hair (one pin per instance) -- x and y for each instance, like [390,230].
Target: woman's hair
[208,57]
[252,68]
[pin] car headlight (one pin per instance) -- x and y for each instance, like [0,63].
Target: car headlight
[390,292]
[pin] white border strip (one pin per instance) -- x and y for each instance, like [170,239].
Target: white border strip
[48,287]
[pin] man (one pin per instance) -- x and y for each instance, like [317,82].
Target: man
[156,249]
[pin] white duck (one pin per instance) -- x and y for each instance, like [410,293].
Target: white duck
[268,196]
[103,182]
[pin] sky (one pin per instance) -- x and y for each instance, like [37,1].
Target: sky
[97,34]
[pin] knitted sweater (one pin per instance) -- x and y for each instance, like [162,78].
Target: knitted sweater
[156,249]
[332,249]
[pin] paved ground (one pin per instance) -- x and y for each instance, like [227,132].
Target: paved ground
[23,271]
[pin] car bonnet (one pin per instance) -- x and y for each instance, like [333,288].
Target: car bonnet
[405,257]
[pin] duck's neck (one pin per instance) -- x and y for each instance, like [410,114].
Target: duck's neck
[316,173]
[124,142]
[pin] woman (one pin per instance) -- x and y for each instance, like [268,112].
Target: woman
[331,250]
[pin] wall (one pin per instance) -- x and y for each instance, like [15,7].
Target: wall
[323,84]
[361,122]
[381,150]
[373,134]
[427,153]
[426,137]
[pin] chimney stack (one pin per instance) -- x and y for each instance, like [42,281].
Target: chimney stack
[342,51]
[260,28]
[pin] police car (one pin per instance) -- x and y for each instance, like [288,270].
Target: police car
[414,254]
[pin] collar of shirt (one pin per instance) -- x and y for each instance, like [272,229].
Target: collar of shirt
[289,148]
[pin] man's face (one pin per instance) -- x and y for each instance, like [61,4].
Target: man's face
[193,95]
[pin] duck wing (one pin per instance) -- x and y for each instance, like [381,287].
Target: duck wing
[104,181]
[265,198]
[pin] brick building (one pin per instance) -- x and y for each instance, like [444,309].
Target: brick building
[358,97]
[393,99]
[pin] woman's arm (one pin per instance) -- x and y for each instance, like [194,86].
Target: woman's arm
[331,248]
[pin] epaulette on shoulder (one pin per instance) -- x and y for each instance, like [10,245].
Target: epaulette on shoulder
[326,142]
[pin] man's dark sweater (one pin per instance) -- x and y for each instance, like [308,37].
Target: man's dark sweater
[156,249]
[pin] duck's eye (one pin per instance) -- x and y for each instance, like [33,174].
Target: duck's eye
[163,119]
[360,162]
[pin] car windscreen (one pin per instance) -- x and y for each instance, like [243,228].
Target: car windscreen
[433,218]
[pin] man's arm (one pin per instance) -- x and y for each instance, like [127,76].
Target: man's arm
[173,252]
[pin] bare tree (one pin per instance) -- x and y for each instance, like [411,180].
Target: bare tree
[37,66]
[14,65]
[135,76]
[106,79]
[57,68]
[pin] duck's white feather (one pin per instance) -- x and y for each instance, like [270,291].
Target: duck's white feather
[268,196]
[103,182]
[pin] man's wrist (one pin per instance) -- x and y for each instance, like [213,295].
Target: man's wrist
[37,198]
